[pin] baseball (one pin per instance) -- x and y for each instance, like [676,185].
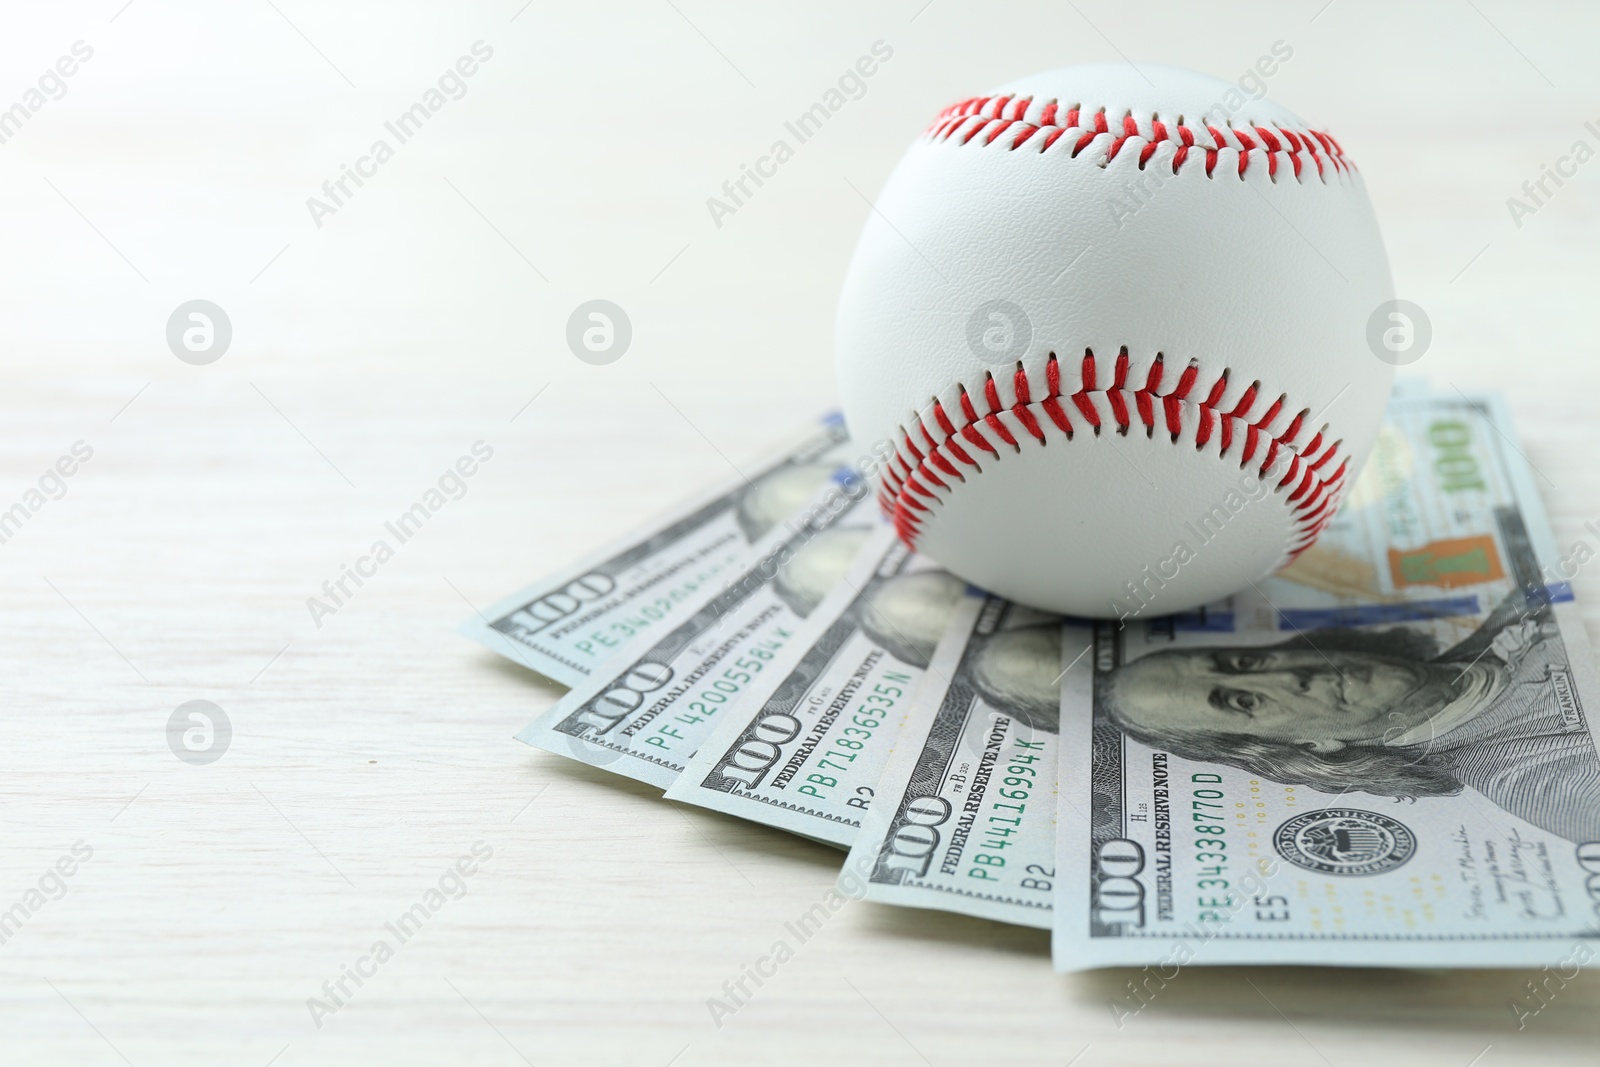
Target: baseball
[1112,324]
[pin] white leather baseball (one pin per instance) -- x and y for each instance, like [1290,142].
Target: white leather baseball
[1187,388]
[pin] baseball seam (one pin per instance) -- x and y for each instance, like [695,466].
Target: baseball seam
[992,116]
[917,478]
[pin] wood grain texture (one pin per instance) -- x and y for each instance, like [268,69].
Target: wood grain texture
[371,752]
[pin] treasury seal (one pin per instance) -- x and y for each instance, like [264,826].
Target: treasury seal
[1344,841]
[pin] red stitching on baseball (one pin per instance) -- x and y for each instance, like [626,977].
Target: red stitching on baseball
[992,116]
[907,499]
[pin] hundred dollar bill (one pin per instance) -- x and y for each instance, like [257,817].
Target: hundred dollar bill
[645,711]
[568,624]
[1380,756]
[964,817]
[804,749]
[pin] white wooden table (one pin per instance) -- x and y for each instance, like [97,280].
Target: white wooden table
[370,753]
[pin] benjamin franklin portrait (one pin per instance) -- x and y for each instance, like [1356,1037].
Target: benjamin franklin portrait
[1017,670]
[1383,712]
[778,494]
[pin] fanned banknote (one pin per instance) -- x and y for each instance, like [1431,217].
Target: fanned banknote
[570,623]
[1380,755]
[964,818]
[646,710]
[804,748]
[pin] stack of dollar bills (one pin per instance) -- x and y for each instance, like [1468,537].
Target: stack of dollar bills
[1377,756]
